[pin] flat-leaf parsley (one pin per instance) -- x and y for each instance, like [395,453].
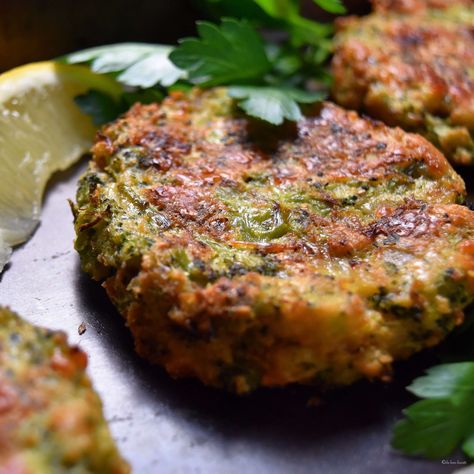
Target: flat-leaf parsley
[272,104]
[230,52]
[434,427]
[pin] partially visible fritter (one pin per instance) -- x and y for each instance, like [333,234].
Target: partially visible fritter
[411,64]
[51,420]
[248,255]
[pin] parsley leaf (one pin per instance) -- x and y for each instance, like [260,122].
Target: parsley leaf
[331,6]
[139,64]
[304,31]
[454,381]
[281,9]
[434,427]
[153,69]
[231,52]
[241,9]
[100,106]
[268,80]
[271,103]
[278,8]
[103,108]
[280,15]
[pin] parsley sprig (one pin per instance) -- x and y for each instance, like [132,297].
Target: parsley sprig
[444,420]
[269,79]
[281,15]
[234,54]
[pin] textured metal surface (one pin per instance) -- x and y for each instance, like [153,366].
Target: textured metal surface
[167,426]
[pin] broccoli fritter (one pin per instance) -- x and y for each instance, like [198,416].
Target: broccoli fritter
[51,420]
[248,255]
[411,64]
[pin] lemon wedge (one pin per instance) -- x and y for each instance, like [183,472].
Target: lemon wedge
[42,130]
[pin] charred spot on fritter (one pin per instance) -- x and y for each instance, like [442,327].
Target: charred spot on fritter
[411,63]
[246,255]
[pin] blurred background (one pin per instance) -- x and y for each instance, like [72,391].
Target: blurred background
[33,30]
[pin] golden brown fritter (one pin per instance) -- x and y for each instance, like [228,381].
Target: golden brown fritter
[416,6]
[249,255]
[51,420]
[411,63]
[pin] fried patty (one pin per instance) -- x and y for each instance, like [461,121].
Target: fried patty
[411,64]
[51,419]
[249,255]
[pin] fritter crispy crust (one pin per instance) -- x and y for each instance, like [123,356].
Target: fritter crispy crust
[416,6]
[411,63]
[51,420]
[247,255]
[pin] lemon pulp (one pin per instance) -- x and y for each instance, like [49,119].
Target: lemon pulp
[42,130]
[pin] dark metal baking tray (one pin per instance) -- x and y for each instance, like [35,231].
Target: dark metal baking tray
[171,426]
